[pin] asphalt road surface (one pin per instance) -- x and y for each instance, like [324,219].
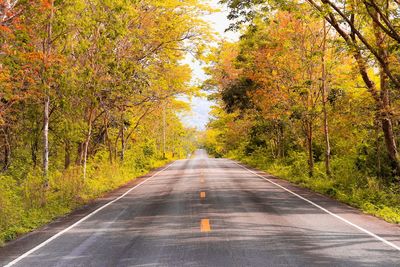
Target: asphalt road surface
[214,212]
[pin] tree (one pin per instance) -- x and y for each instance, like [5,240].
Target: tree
[83,79]
[353,22]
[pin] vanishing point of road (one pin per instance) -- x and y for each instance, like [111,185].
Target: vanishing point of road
[212,212]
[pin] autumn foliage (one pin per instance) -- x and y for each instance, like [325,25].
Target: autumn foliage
[299,100]
[85,88]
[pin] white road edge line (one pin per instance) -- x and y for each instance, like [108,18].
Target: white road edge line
[325,210]
[83,219]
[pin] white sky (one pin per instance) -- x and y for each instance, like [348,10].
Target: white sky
[201,106]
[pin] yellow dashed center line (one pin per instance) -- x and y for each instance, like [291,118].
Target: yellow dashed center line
[205,225]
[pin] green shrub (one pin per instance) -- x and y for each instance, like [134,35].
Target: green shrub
[10,206]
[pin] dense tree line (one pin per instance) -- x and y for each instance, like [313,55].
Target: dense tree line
[311,91]
[86,87]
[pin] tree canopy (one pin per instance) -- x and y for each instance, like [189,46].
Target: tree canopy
[310,92]
[87,87]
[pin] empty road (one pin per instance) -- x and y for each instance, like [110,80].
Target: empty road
[214,212]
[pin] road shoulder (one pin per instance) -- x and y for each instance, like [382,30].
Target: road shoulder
[386,230]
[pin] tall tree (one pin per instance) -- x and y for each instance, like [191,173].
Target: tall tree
[353,22]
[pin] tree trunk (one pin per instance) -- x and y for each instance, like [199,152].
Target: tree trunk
[67,156]
[79,154]
[116,146]
[385,105]
[324,101]
[279,139]
[310,149]
[378,147]
[6,157]
[34,148]
[46,141]
[47,52]
[107,139]
[122,140]
[390,141]
[86,144]
[385,119]
[282,139]
[7,149]
[387,128]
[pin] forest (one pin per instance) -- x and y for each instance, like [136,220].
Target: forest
[90,97]
[92,94]
[311,93]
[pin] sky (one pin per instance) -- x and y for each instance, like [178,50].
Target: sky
[201,106]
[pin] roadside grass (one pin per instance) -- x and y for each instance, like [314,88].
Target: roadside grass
[25,206]
[347,185]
